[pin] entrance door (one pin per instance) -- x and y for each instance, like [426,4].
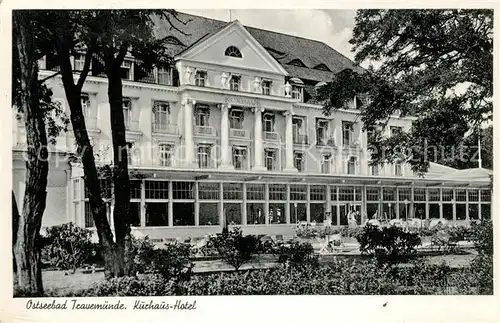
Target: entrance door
[346,209]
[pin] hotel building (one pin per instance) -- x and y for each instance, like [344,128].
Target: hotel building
[232,131]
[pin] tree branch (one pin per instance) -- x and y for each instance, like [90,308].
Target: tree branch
[50,76]
[86,64]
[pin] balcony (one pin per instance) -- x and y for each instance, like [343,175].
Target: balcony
[167,129]
[330,142]
[204,130]
[238,133]
[271,136]
[300,139]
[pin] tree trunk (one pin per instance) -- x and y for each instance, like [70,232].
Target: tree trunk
[121,181]
[27,255]
[91,178]
[15,225]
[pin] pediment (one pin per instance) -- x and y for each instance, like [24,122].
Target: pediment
[213,49]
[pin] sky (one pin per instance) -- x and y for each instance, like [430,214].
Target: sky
[333,27]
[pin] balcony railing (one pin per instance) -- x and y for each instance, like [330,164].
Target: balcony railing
[272,136]
[300,139]
[169,129]
[238,133]
[204,130]
[325,142]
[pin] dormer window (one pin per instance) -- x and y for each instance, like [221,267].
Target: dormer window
[266,87]
[322,67]
[297,62]
[233,51]
[173,41]
[200,78]
[297,92]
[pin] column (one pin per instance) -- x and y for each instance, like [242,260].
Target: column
[287,205]
[266,204]
[479,215]
[221,202]
[440,203]
[224,137]
[426,203]
[244,206]
[170,204]
[328,204]
[143,203]
[396,207]
[289,166]
[308,204]
[188,132]
[467,205]
[258,147]
[196,205]
[454,206]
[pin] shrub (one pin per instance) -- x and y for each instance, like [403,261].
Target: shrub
[234,248]
[388,243]
[171,262]
[297,254]
[308,232]
[69,246]
[482,235]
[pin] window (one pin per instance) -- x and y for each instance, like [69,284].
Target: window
[200,78]
[460,195]
[374,170]
[202,116]
[434,194]
[447,194]
[236,119]
[270,155]
[130,152]
[173,41]
[485,195]
[135,189]
[370,133]
[298,160]
[266,87]
[297,62]
[165,76]
[321,132]
[298,192]
[161,112]
[204,156]
[277,192]
[325,163]
[127,112]
[346,193]
[239,157]
[86,106]
[255,191]
[398,168]
[396,130]
[351,165]
[208,191]
[234,83]
[126,70]
[79,62]
[419,194]
[297,127]
[317,193]
[372,193]
[473,195]
[165,152]
[322,67]
[233,51]
[347,129]
[232,191]
[183,190]
[297,92]
[156,190]
[389,193]
[269,122]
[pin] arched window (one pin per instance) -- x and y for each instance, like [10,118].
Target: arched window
[322,67]
[232,51]
[297,62]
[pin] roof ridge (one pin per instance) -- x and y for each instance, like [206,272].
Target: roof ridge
[276,32]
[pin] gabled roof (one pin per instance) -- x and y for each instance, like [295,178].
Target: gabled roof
[284,48]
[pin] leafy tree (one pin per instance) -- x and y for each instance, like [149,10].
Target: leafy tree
[32,100]
[105,36]
[436,65]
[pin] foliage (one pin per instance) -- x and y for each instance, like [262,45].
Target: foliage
[315,232]
[297,254]
[344,277]
[234,248]
[482,235]
[171,262]
[388,243]
[433,64]
[69,246]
